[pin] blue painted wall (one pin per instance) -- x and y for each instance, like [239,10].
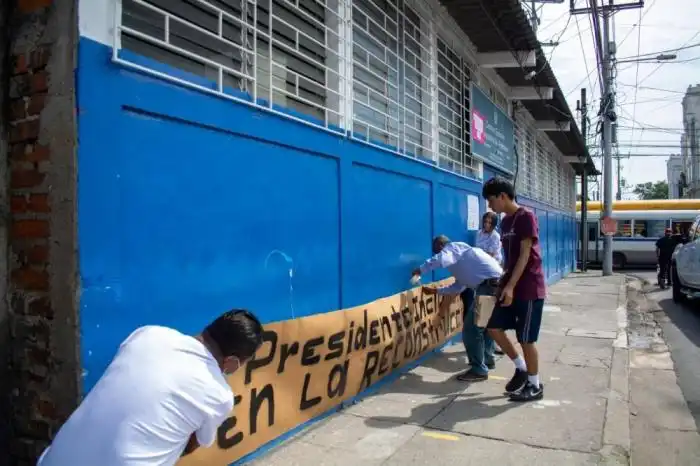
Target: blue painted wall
[190,205]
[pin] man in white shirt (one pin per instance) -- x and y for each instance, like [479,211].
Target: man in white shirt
[163,395]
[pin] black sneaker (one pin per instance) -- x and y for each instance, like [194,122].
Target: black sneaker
[491,366]
[472,376]
[528,393]
[517,382]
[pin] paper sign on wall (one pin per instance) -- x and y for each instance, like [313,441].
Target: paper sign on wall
[472,212]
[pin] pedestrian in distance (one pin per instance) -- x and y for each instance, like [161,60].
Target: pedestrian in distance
[489,240]
[476,273]
[521,289]
[163,395]
[664,250]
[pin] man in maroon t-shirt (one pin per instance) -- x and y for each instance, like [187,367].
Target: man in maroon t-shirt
[522,289]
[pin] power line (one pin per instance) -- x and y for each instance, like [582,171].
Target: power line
[639,24]
[636,75]
[660,52]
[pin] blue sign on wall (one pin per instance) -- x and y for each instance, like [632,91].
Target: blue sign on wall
[491,133]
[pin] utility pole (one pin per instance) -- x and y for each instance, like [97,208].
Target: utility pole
[607,110]
[607,141]
[694,163]
[583,234]
[618,196]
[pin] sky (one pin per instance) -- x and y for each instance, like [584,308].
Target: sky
[657,89]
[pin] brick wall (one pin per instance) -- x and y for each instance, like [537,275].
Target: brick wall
[39,147]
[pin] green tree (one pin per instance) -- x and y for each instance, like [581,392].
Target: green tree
[649,190]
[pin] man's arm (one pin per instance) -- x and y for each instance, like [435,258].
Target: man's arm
[525,229]
[441,260]
[451,290]
[192,445]
[205,436]
[525,249]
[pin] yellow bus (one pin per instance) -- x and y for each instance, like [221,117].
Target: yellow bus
[655,204]
[639,224]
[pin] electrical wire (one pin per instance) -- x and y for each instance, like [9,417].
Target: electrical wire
[636,74]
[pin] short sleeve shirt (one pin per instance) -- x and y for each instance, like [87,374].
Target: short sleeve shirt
[514,228]
[162,387]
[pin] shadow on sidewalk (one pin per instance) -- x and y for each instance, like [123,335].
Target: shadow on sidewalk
[431,398]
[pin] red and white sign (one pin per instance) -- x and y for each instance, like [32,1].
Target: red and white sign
[478,127]
[608,225]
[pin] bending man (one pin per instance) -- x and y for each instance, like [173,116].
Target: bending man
[475,273]
[163,395]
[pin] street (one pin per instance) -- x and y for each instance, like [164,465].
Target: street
[663,341]
[681,331]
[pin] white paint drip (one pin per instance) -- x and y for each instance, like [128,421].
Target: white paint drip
[290,264]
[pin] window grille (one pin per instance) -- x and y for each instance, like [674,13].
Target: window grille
[454,117]
[541,184]
[271,53]
[552,177]
[377,69]
[391,88]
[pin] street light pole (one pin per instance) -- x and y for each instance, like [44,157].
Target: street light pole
[607,141]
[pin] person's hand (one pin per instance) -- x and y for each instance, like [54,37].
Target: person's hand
[415,272]
[429,290]
[445,304]
[506,296]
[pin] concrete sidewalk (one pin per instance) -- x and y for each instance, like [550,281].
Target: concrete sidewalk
[428,418]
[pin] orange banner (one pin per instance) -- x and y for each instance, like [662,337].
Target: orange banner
[307,366]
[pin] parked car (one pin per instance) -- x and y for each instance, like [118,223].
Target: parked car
[685,266]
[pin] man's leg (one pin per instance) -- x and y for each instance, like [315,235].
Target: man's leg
[667,263]
[528,329]
[503,319]
[473,338]
[489,349]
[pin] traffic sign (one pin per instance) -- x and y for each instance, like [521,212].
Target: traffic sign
[608,225]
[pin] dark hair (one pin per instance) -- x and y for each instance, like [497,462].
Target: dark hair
[237,333]
[497,186]
[439,242]
[491,216]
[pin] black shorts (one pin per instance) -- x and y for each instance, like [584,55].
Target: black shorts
[523,316]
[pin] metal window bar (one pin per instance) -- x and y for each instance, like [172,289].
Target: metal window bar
[392,57]
[277,53]
[366,65]
[530,165]
[454,122]
[553,177]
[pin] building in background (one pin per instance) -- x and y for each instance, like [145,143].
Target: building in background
[674,175]
[690,141]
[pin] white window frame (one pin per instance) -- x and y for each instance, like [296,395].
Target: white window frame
[267,74]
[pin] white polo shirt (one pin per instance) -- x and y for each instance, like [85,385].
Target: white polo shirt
[161,387]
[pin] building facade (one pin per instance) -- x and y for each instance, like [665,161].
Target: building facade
[690,141]
[171,159]
[675,168]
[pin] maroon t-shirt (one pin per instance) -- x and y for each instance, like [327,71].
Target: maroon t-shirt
[515,228]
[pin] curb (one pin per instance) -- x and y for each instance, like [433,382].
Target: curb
[616,429]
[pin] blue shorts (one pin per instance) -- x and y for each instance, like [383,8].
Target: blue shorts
[523,316]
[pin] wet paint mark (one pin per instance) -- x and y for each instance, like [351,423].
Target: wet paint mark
[290,264]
